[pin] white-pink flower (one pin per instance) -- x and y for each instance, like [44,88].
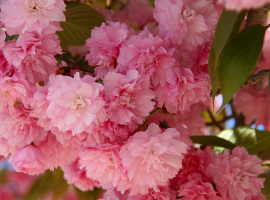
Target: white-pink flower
[198,190]
[75,104]
[104,46]
[29,160]
[182,90]
[55,153]
[253,103]
[42,16]
[151,158]
[14,89]
[33,55]
[148,55]
[236,175]
[74,175]
[20,128]
[129,97]
[193,163]
[186,22]
[103,164]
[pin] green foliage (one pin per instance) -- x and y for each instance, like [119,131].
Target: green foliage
[213,141]
[255,141]
[213,72]
[93,195]
[266,189]
[239,59]
[80,20]
[229,25]
[48,182]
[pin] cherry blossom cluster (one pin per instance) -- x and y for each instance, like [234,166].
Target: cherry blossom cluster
[110,129]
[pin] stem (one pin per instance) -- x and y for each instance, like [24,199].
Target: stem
[219,122]
[214,121]
[152,113]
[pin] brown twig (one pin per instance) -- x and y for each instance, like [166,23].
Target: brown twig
[257,16]
[221,121]
[252,80]
[267,6]
[214,121]
[72,65]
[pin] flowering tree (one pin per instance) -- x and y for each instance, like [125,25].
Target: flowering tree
[134,99]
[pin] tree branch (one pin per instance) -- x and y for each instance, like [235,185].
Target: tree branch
[72,65]
[252,80]
[215,123]
[257,16]
[267,6]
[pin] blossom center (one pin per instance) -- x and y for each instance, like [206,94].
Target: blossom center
[126,99]
[187,15]
[150,161]
[147,63]
[78,104]
[34,7]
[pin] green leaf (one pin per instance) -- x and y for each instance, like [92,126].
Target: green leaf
[255,141]
[266,189]
[60,183]
[229,24]
[80,20]
[213,72]
[48,182]
[239,59]
[213,141]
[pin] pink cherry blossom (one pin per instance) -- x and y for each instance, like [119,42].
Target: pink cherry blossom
[129,97]
[136,13]
[16,178]
[75,103]
[40,105]
[103,164]
[104,46]
[20,128]
[198,190]
[186,22]
[165,193]
[74,175]
[5,149]
[148,55]
[113,194]
[242,4]
[6,193]
[251,102]
[33,55]
[182,90]
[44,17]
[14,89]
[236,175]
[192,121]
[56,154]
[194,163]
[151,158]
[29,160]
